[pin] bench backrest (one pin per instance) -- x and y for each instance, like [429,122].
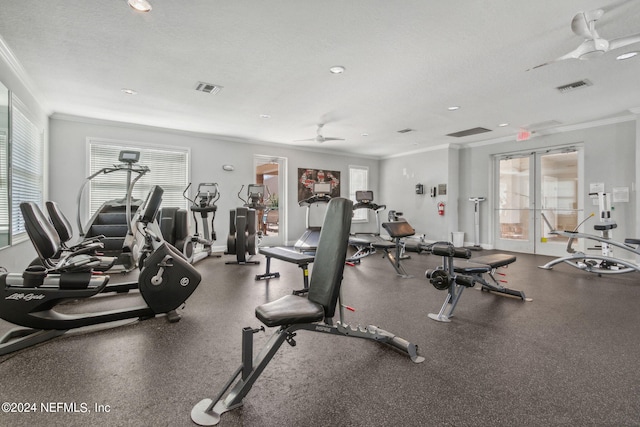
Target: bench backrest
[324,287]
[59,221]
[42,234]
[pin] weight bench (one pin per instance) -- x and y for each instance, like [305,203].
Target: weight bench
[455,278]
[393,250]
[294,312]
[288,254]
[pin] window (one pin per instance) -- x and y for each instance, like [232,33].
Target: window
[26,159]
[358,180]
[168,169]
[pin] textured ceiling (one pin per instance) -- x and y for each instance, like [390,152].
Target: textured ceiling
[406,62]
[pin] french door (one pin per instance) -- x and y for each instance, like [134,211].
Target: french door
[272,172]
[537,193]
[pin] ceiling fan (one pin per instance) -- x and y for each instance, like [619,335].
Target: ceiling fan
[319,138]
[584,24]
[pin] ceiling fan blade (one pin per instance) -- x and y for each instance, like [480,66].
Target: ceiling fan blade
[624,41]
[333,139]
[304,140]
[580,26]
[574,54]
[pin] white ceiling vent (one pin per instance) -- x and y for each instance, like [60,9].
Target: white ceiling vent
[209,88]
[573,86]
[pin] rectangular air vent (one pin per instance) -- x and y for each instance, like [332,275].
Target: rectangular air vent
[573,86]
[407,130]
[469,132]
[209,88]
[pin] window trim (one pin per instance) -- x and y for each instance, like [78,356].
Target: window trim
[359,215]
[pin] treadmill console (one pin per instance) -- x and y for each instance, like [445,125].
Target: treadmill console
[129,156]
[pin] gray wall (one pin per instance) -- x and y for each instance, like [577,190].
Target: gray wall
[609,157]
[69,164]
[398,178]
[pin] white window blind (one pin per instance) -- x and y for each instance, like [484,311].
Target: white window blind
[4,183]
[358,181]
[168,169]
[27,155]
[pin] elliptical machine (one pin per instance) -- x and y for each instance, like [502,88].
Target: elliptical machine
[198,246]
[243,235]
[29,299]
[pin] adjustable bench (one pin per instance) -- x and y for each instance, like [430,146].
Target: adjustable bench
[288,254]
[454,278]
[292,313]
[397,230]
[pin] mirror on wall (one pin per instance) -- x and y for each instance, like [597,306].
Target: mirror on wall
[5,223]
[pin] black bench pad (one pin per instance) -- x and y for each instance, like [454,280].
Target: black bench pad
[287,254]
[399,229]
[495,260]
[471,268]
[289,310]
[383,244]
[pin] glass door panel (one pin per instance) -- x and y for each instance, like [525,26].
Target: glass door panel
[514,204]
[271,172]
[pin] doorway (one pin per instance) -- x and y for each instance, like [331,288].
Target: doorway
[272,220]
[538,192]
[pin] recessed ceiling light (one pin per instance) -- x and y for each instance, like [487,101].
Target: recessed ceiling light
[453,108]
[337,69]
[140,5]
[626,56]
[265,116]
[129,91]
[364,134]
[503,125]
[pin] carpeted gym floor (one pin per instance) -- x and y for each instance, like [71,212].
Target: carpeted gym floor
[569,357]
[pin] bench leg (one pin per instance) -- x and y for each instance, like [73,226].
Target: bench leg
[268,274]
[446,312]
[395,262]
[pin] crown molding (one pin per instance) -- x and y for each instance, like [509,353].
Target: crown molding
[7,56]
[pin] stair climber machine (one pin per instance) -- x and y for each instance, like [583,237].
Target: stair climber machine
[316,208]
[111,223]
[30,299]
[243,235]
[198,246]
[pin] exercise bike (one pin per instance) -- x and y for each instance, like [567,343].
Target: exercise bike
[243,234]
[30,299]
[198,246]
[606,262]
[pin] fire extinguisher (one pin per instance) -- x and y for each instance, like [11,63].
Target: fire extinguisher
[441,208]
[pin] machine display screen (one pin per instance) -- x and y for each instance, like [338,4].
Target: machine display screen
[129,156]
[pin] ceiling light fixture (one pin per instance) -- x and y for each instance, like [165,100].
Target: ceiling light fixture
[501,125]
[337,69]
[140,5]
[265,116]
[129,91]
[626,56]
[364,134]
[453,108]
